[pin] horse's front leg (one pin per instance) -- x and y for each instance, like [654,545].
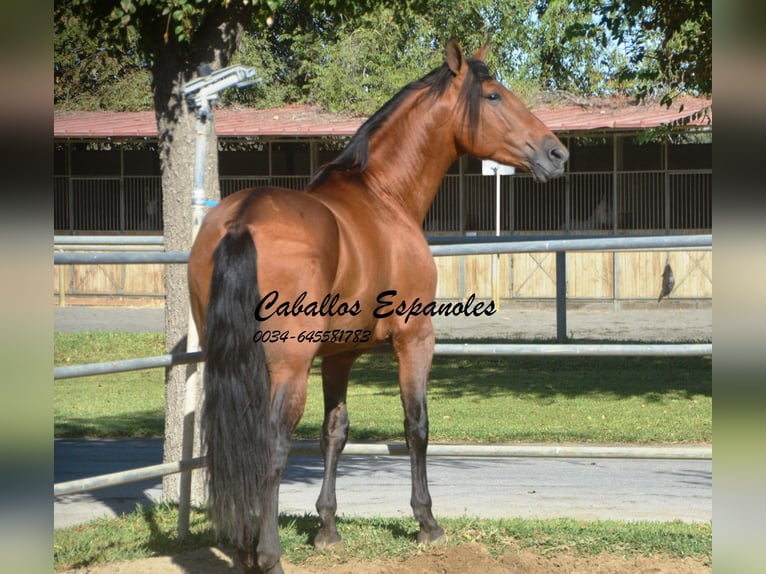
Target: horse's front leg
[414,353]
[335,373]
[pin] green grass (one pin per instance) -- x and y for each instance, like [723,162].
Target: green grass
[119,405]
[486,399]
[505,399]
[151,532]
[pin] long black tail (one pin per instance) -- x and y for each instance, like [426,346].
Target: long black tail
[235,413]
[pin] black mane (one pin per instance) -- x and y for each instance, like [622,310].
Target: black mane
[356,154]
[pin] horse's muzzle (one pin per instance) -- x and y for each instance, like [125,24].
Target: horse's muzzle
[549,162]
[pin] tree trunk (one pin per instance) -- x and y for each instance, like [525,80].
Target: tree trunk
[218,36]
[177,183]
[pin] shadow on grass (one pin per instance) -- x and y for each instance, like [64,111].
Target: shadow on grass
[143,424]
[296,536]
[547,376]
[542,378]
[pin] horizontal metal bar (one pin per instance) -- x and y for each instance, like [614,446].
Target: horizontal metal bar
[303,447]
[502,450]
[443,349]
[108,240]
[109,248]
[469,239]
[94,240]
[589,244]
[116,258]
[65,240]
[485,247]
[606,349]
[126,296]
[126,365]
[125,476]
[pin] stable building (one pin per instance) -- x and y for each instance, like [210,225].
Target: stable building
[107,182]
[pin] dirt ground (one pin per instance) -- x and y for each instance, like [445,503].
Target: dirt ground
[461,559]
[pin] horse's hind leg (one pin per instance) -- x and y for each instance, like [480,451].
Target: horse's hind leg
[335,372]
[414,356]
[287,404]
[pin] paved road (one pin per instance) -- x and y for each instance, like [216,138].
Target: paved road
[587,489]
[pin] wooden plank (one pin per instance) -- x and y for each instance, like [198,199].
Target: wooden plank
[534,275]
[590,275]
[145,279]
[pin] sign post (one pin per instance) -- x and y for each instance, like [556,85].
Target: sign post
[489,167]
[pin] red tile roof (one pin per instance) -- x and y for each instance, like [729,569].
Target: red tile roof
[620,115]
[303,120]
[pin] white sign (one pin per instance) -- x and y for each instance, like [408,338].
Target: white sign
[490,167]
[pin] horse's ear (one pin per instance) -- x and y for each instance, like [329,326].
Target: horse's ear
[481,53]
[454,56]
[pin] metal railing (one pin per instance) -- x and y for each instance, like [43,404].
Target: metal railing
[440,247]
[646,202]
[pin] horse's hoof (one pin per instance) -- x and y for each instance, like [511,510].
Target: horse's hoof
[434,536]
[324,541]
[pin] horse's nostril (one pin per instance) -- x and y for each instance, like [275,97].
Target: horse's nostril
[557,153]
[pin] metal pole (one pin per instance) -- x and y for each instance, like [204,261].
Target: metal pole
[546,451]
[561,296]
[107,367]
[496,258]
[478,349]
[64,240]
[570,350]
[62,285]
[192,337]
[200,93]
[125,477]
[104,258]
[588,244]
[439,248]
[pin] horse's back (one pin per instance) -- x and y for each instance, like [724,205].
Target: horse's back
[323,260]
[381,251]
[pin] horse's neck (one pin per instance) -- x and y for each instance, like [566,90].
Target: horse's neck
[409,156]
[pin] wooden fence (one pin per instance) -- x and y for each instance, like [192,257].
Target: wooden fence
[601,276]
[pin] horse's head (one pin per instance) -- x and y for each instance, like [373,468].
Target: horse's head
[491,123]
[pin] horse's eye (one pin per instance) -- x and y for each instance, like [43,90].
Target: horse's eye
[493,97]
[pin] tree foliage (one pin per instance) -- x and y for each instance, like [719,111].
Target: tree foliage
[351,56]
[93,68]
[369,61]
[343,55]
[668,44]
[355,62]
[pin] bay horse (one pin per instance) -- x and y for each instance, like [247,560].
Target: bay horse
[277,277]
